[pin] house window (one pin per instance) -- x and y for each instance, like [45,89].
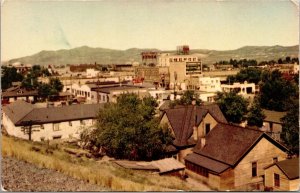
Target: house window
[207,128]
[55,126]
[42,138]
[275,159]
[56,137]
[276,180]
[254,169]
[70,123]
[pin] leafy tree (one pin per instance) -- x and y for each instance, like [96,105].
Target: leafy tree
[128,129]
[56,85]
[233,106]
[53,88]
[187,99]
[275,92]
[290,128]
[9,75]
[44,90]
[255,116]
[252,75]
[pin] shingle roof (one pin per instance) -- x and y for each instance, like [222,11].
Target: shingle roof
[182,120]
[17,110]
[273,116]
[229,143]
[289,167]
[21,112]
[17,91]
[206,162]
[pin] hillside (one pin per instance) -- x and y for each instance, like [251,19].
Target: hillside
[87,55]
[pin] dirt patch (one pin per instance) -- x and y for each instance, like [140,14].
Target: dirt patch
[22,176]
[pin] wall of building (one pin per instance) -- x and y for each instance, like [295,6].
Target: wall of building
[209,84]
[13,99]
[81,91]
[201,128]
[269,179]
[46,131]
[263,153]
[227,180]
[295,185]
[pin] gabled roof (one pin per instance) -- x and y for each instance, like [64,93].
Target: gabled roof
[21,112]
[17,110]
[228,144]
[183,118]
[273,116]
[17,91]
[290,167]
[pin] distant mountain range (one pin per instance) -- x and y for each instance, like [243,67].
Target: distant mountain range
[88,55]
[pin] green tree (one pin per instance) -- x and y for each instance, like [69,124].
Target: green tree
[276,92]
[255,116]
[290,127]
[56,85]
[53,88]
[128,129]
[187,99]
[251,75]
[233,106]
[9,75]
[44,90]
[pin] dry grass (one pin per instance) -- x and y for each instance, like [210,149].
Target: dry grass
[105,174]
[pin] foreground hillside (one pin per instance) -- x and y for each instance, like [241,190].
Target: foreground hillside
[103,173]
[21,176]
[88,55]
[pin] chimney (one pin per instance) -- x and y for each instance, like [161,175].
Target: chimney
[202,141]
[195,133]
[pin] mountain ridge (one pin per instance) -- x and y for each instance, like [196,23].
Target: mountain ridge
[86,55]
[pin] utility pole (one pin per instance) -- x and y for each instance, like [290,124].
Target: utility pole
[27,129]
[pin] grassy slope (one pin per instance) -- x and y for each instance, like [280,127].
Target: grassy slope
[105,174]
[89,55]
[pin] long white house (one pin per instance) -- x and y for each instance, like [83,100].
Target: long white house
[48,123]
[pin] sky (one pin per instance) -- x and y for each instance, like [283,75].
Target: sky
[28,27]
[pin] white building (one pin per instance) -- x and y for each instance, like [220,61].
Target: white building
[241,88]
[92,73]
[48,123]
[164,59]
[209,84]
[111,93]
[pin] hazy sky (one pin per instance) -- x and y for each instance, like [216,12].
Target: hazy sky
[28,27]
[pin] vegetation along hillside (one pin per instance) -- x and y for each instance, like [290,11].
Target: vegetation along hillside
[87,54]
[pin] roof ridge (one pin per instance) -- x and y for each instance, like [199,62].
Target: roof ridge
[238,126]
[20,120]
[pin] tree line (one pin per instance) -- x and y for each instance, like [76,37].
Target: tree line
[252,62]
[30,81]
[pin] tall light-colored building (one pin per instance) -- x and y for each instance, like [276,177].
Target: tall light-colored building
[164,59]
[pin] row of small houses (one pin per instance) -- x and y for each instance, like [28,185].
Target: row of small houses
[225,156]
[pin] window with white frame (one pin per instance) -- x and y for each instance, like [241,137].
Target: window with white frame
[55,126]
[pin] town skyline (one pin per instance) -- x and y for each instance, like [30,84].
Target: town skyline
[53,25]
